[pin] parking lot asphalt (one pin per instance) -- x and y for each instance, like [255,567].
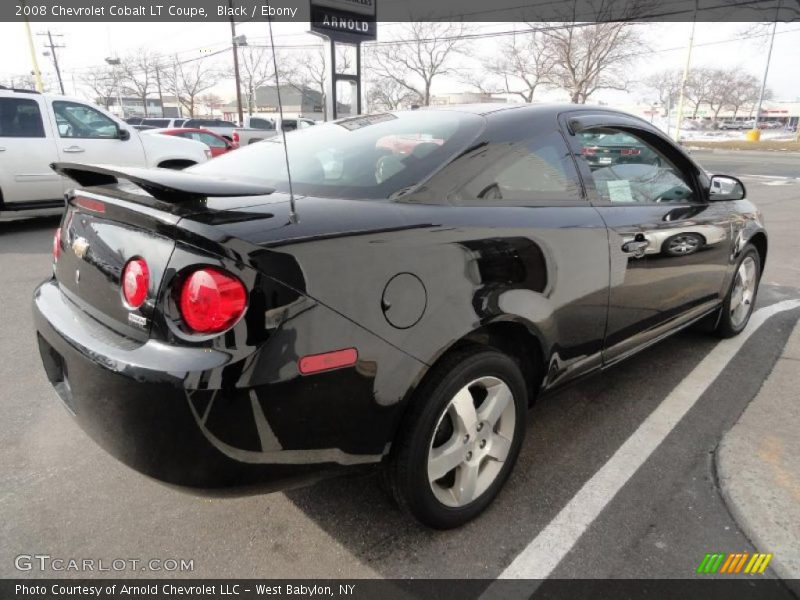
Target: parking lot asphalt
[62,496]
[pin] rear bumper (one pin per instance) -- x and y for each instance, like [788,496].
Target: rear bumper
[135,400]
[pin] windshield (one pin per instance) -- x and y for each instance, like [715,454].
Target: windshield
[373,156]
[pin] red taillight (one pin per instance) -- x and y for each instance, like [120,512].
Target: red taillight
[57,245]
[135,282]
[211,301]
[236,136]
[315,363]
[630,152]
[586,151]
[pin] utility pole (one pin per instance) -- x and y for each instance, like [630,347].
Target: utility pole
[236,65]
[766,71]
[53,47]
[36,72]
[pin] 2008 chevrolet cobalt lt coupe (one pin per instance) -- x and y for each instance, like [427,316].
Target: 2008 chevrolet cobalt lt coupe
[399,301]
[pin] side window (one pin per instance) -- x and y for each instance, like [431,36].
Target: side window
[538,171]
[20,118]
[210,140]
[256,123]
[80,121]
[626,169]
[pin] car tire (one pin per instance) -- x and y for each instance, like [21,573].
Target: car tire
[440,429]
[741,297]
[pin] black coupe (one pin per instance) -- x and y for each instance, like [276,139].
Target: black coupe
[399,301]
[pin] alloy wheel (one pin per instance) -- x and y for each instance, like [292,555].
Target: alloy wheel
[744,290]
[471,441]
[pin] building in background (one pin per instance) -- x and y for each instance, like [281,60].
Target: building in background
[296,101]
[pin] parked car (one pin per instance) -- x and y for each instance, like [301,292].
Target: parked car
[260,128]
[218,126]
[218,144]
[603,148]
[163,123]
[39,129]
[134,120]
[402,310]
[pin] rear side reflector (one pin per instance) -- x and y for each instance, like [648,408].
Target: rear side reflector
[314,363]
[90,204]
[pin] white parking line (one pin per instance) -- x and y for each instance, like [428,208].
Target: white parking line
[545,552]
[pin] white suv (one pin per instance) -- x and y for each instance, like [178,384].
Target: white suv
[39,129]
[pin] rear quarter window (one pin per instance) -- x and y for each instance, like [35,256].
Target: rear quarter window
[20,118]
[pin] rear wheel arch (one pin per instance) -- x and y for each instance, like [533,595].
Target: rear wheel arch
[759,241]
[513,338]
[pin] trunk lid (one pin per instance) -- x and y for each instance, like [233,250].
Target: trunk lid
[113,221]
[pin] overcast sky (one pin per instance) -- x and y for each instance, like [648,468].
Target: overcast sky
[87,44]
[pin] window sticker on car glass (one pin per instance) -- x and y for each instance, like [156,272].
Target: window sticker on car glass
[619,190]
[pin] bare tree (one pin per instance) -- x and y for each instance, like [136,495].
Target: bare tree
[592,56]
[666,84]
[698,88]
[190,80]
[745,93]
[523,64]
[386,94]
[138,75]
[256,68]
[311,72]
[20,82]
[103,85]
[426,52]
[211,101]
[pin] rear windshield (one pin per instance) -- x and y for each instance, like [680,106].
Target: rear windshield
[375,156]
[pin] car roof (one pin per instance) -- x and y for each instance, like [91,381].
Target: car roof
[489,108]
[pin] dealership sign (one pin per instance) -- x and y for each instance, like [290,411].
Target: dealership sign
[349,21]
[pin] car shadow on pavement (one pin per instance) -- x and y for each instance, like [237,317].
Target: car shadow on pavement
[570,436]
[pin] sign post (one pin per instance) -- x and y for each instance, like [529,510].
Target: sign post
[346,22]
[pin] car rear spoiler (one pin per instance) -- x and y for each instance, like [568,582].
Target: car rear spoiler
[167,185]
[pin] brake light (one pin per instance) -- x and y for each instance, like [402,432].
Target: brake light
[135,282]
[630,152]
[211,301]
[57,245]
[588,151]
[337,359]
[236,136]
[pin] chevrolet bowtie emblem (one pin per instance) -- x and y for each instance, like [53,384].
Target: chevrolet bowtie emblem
[80,247]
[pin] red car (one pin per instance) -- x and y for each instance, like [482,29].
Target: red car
[218,144]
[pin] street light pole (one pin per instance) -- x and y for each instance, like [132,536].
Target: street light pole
[236,65]
[685,78]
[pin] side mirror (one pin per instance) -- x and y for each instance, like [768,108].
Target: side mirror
[725,187]
[123,134]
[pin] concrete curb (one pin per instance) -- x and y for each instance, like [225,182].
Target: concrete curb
[758,466]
